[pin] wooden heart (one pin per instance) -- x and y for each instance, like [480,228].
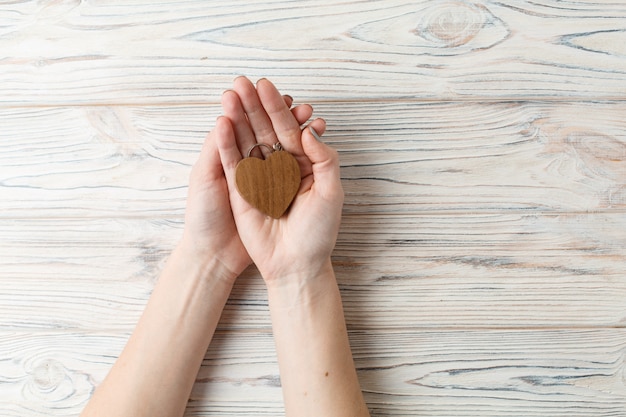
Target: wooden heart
[270,185]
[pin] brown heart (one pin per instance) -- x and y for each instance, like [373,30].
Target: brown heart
[269,184]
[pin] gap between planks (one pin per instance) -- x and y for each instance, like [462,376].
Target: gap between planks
[304,100]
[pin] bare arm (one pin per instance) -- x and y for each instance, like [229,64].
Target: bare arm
[155,373]
[293,254]
[316,367]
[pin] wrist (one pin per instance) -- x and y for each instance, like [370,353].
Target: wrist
[201,265]
[293,267]
[302,286]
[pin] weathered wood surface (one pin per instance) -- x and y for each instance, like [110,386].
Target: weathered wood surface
[483,147]
[396,157]
[403,373]
[420,271]
[77,52]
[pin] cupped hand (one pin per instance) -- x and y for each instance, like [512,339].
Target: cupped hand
[300,242]
[210,231]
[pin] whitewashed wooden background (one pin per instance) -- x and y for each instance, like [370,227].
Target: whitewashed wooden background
[483,143]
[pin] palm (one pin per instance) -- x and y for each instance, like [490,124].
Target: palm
[209,223]
[275,244]
[306,234]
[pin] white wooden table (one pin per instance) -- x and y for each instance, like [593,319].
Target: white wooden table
[483,144]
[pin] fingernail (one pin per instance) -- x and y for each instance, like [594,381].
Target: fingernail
[314,133]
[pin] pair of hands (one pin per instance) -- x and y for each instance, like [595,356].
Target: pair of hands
[220,224]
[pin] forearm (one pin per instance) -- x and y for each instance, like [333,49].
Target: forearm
[316,366]
[155,373]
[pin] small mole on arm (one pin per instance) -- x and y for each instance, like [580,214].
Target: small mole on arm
[326,374]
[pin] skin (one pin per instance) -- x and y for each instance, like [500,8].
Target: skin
[223,234]
[317,371]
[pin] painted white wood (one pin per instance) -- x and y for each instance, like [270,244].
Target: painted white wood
[483,147]
[396,157]
[77,52]
[422,271]
[407,372]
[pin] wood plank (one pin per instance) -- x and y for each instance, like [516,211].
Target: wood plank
[444,373]
[486,373]
[69,52]
[47,154]
[482,270]
[396,157]
[52,373]
[403,373]
[73,273]
[473,157]
[433,271]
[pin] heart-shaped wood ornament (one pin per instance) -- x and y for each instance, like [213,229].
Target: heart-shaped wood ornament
[269,184]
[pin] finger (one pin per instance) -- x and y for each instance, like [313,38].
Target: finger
[208,166]
[288,100]
[228,150]
[233,109]
[229,157]
[302,113]
[325,164]
[257,117]
[318,125]
[283,121]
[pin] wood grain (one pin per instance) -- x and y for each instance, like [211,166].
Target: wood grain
[483,148]
[403,373]
[73,52]
[427,271]
[396,157]
[52,373]
[269,185]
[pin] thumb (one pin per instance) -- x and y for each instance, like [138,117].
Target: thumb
[208,165]
[229,154]
[325,163]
